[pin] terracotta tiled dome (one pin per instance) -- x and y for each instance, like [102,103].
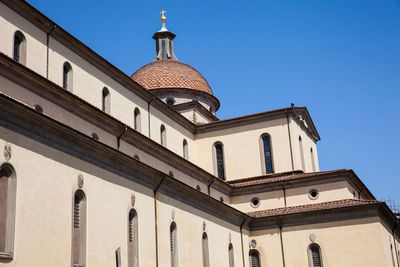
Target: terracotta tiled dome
[170,74]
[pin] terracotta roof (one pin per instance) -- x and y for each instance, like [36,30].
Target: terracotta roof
[170,74]
[312,207]
[276,177]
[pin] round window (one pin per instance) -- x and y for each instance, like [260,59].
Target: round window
[313,194]
[255,202]
[170,102]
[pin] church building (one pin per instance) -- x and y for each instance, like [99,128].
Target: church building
[103,169]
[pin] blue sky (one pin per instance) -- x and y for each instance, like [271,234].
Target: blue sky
[340,58]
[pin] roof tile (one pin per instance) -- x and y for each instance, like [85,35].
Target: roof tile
[170,74]
[312,207]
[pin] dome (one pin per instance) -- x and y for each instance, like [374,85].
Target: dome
[166,73]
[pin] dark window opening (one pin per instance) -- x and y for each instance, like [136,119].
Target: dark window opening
[170,102]
[315,256]
[67,76]
[267,154]
[38,108]
[254,258]
[18,43]
[220,161]
[95,137]
[164,51]
[170,48]
[255,202]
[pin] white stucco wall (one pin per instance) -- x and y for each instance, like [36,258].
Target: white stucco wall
[10,22]
[308,144]
[242,155]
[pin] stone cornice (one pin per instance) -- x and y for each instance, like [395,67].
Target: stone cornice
[195,105]
[22,119]
[312,178]
[160,92]
[378,210]
[44,23]
[310,128]
[54,93]
[262,116]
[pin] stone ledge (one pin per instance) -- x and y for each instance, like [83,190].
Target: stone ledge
[6,255]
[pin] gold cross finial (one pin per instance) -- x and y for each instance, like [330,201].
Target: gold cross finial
[163,18]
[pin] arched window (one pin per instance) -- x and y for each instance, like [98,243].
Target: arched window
[157,47]
[312,160]
[7,210]
[137,122]
[133,249]
[254,258]
[314,256]
[231,256]
[163,135]
[266,154]
[19,48]
[185,149]
[105,101]
[219,160]
[206,254]
[170,101]
[79,229]
[67,76]
[164,51]
[95,136]
[173,245]
[303,167]
[38,108]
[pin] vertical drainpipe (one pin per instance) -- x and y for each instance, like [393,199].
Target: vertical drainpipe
[290,140]
[209,186]
[156,217]
[119,137]
[47,45]
[148,114]
[281,238]
[241,239]
[284,194]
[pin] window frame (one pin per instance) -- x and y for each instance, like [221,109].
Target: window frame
[185,147]
[231,255]
[67,77]
[133,249]
[312,160]
[173,233]
[10,212]
[301,151]
[262,154]
[310,255]
[163,135]
[256,253]
[105,100]
[21,51]
[83,230]
[205,250]
[215,161]
[137,120]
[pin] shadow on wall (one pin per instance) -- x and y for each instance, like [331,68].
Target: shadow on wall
[245,127]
